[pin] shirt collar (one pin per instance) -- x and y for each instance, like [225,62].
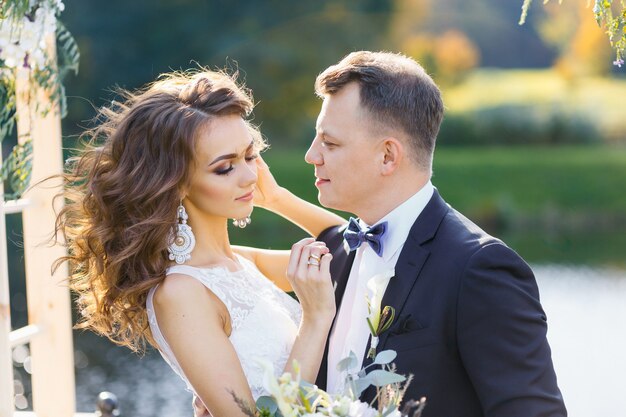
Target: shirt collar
[401,219]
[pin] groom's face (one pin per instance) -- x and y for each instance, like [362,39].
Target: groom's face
[344,152]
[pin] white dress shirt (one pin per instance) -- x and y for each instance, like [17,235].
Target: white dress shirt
[351,332]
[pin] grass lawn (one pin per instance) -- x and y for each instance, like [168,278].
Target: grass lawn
[532,179]
[557,204]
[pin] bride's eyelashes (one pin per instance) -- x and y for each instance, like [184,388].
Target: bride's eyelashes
[226,171]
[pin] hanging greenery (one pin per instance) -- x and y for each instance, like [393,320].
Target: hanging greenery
[609,16]
[24,27]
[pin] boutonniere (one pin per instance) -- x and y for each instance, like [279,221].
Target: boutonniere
[378,320]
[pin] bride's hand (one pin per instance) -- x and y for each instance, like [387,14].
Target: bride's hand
[309,274]
[267,189]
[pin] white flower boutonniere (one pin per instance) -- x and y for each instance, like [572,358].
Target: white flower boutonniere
[378,320]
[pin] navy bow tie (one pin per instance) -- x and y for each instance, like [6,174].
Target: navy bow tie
[354,235]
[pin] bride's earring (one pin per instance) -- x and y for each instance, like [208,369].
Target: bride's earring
[182,240]
[241,223]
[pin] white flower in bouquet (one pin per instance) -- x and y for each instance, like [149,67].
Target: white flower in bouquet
[340,406]
[285,390]
[272,386]
[361,409]
[345,406]
[292,397]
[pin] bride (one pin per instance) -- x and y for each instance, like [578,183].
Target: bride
[148,201]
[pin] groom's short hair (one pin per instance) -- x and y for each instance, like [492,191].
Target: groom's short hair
[396,91]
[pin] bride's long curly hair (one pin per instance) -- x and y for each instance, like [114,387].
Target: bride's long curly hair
[123,189]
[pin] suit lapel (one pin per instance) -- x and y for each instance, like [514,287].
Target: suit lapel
[412,259]
[409,264]
[340,269]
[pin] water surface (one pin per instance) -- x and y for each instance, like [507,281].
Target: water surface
[586,311]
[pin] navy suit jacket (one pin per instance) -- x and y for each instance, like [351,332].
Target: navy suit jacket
[468,326]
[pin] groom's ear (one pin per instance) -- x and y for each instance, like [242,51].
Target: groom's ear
[393,154]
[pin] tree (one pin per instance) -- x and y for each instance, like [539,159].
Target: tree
[609,16]
[449,55]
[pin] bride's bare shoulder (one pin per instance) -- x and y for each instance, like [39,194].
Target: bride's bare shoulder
[180,290]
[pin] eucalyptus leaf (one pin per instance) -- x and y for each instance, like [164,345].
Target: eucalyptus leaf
[381,378]
[347,363]
[361,385]
[307,385]
[268,403]
[385,357]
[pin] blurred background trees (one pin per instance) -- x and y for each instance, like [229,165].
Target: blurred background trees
[583,48]
[543,93]
[280,45]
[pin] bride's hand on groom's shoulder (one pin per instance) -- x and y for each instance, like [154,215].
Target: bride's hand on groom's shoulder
[309,274]
[267,192]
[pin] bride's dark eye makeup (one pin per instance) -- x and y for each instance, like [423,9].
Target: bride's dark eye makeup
[225,171]
[250,156]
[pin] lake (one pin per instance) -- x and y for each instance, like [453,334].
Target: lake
[586,310]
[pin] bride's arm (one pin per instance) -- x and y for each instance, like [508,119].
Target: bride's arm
[315,292]
[309,217]
[271,263]
[191,321]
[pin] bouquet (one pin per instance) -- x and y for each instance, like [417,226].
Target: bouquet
[292,397]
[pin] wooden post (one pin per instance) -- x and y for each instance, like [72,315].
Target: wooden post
[48,295]
[6,363]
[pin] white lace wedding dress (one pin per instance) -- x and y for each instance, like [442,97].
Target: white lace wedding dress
[264,319]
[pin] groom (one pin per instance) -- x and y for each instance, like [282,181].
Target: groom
[468,324]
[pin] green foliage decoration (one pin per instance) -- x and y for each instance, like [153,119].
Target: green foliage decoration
[24,26]
[614,23]
[17,168]
[7,104]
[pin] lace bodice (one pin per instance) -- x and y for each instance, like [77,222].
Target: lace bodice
[264,319]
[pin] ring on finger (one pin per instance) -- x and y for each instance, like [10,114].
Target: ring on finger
[314,256]
[313,261]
